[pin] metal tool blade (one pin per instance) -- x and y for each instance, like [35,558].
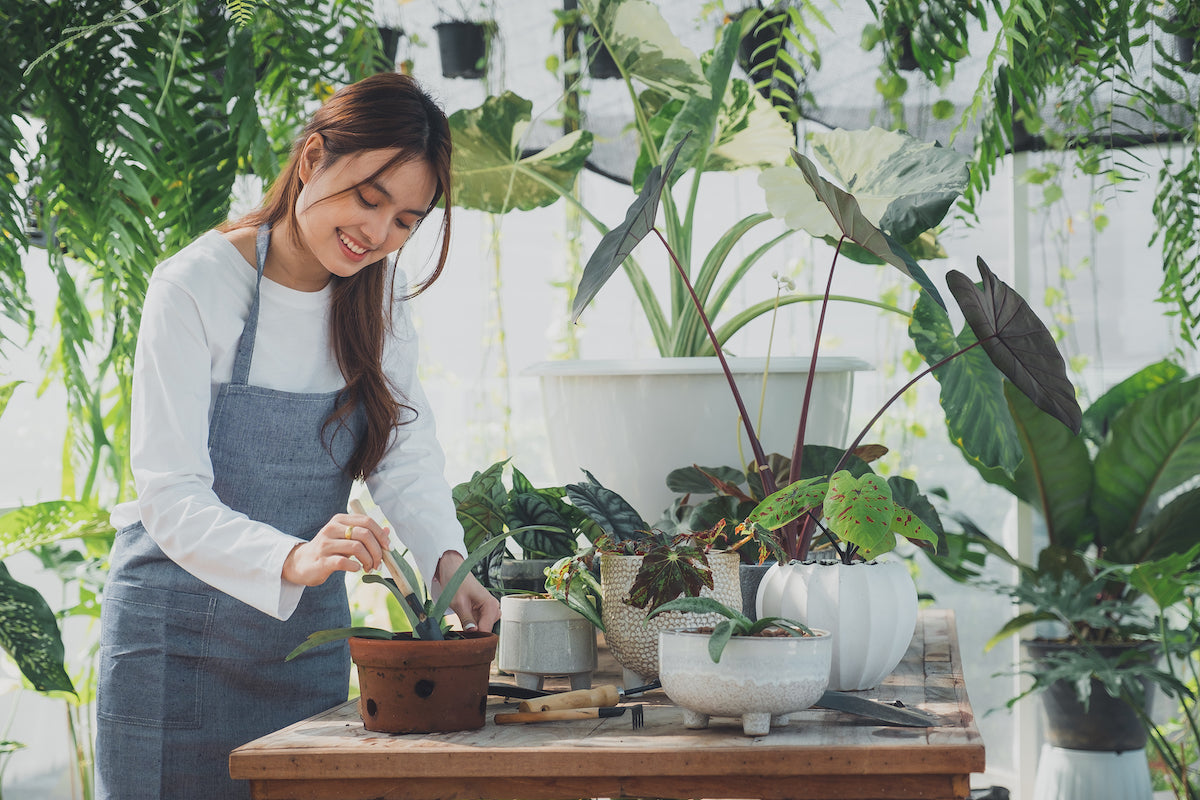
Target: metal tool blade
[876,710]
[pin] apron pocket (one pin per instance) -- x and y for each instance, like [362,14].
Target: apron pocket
[154,643]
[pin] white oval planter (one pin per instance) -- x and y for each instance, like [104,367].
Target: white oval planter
[630,422]
[759,679]
[870,608]
[539,637]
[632,639]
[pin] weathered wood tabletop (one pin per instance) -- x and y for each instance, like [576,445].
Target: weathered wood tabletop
[820,754]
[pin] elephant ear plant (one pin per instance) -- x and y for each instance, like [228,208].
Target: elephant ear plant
[858,513]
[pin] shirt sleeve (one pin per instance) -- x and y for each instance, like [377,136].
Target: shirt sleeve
[172,470]
[409,485]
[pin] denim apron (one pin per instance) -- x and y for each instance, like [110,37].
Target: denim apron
[188,673]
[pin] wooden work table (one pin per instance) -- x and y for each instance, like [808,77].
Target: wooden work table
[820,754]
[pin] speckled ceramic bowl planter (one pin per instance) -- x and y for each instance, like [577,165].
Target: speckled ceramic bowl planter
[540,637]
[632,639]
[760,679]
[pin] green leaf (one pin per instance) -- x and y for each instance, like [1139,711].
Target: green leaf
[488,170]
[554,537]
[643,47]
[1016,624]
[861,511]
[972,394]
[618,243]
[902,184]
[6,393]
[337,635]
[721,634]
[1097,419]
[51,521]
[1017,343]
[826,211]
[788,503]
[1153,449]
[29,634]
[576,587]
[697,480]
[1055,475]
[700,605]
[609,510]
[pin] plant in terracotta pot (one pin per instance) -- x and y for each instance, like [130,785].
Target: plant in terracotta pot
[760,671]
[859,515]
[640,568]
[426,680]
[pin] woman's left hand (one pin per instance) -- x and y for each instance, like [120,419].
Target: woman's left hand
[473,604]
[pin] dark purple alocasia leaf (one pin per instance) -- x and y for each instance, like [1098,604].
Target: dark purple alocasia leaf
[1017,342]
[618,243]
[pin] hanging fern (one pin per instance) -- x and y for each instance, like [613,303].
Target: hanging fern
[241,11]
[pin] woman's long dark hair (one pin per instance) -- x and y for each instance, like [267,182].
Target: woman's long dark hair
[384,111]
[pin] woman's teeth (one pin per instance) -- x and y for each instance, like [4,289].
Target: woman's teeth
[351,246]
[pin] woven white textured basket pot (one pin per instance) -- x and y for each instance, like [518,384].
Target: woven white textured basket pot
[632,639]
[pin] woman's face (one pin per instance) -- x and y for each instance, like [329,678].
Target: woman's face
[347,224]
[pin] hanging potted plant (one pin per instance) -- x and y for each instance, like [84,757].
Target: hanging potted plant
[860,515]
[464,45]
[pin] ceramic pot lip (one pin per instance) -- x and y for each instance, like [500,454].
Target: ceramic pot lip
[818,634]
[834,562]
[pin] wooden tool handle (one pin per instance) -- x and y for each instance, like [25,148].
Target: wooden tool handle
[606,695]
[546,716]
[389,561]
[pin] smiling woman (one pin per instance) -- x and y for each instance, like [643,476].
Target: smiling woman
[276,364]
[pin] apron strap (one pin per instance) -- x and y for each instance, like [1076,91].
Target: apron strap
[245,350]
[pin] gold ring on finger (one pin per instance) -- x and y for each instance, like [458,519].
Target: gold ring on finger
[350,532]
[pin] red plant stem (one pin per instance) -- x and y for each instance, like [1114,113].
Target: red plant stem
[797,537]
[760,457]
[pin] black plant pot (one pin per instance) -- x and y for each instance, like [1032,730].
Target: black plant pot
[601,63]
[463,48]
[746,54]
[750,576]
[1109,724]
[528,574]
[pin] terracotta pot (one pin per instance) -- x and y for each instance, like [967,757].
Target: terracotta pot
[870,608]
[760,679]
[632,639]
[413,686]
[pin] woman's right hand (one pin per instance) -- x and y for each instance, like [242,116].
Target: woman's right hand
[348,542]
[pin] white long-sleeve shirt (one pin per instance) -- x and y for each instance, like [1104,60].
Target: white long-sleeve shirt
[196,307]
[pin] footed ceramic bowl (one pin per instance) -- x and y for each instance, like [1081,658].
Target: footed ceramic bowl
[760,679]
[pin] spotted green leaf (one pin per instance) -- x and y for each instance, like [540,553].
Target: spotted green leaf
[29,634]
[861,511]
[787,504]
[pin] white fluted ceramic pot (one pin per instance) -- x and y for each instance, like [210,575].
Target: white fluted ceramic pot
[759,679]
[632,639]
[870,608]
